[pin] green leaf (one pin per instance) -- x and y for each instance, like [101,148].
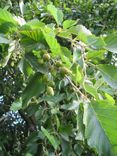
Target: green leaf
[111,43]
[5,16]
[69,23]
[101,127]
[110,99]
[81,31]
[77,73]
[25,67]
[37,66]
[91,90]
[56,13]
[109,73]
[66,56]
[96,54]
[52,42]
[65,34]
[16,105]
[66,131]
[34,88]
[95,42]
[80,126]
[33,24]
[53,140]
[36,35]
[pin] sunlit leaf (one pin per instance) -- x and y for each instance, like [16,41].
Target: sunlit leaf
[16,105]
[56,13]
[100,121]
[69,23]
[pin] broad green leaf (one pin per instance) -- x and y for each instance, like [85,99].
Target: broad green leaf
[109,99]
[98,83]
[91,90]
[52,42]
[37,66]
[111,43]
[33,24]
[29,44]
[7,27]
[80,126]
[35,34]
[53,140]
[95,54]
[77,73]
[34,87]
[100,127]
[77,55]
[16,105]
[109,73]
[66,56]
[65,34]
[95,42]
[81,31]
[69,23]
[5,16]
[56,13]
[25,67]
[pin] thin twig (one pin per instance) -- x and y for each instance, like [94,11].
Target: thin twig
[76,88]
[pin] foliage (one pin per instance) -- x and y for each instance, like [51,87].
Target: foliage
[60,83]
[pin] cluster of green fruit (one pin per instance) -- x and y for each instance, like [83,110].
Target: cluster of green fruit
[58,67]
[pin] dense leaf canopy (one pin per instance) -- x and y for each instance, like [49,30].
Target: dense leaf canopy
[58,77]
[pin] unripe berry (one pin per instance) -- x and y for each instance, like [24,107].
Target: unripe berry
[46,57]
[64,70]
[50,91]
[58,64]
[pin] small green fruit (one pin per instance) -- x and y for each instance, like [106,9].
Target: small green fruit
[58,64]
[46,57]
[64,71]
[50,91]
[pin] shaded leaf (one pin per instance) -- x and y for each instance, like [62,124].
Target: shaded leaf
[34,88]
[37,66]
[109,73]
[72,106]
[51,138]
